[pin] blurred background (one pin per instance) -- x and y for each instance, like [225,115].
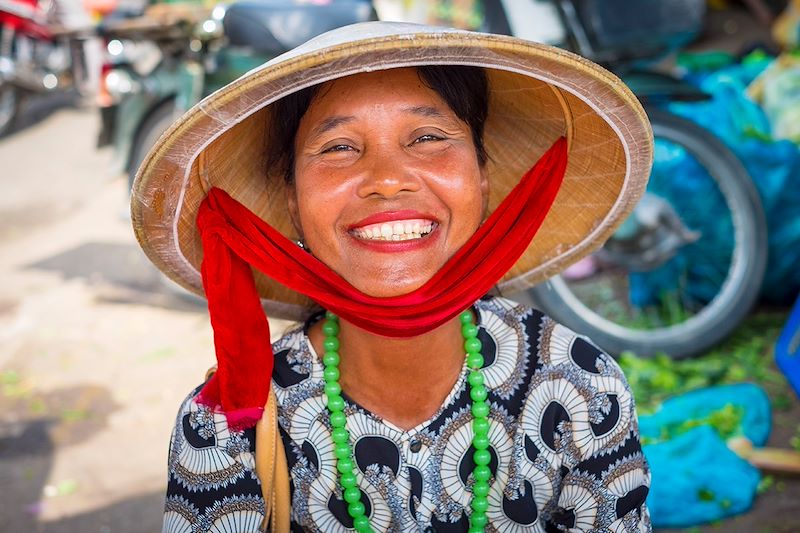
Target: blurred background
[695,294]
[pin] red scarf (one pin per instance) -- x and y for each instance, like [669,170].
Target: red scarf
[234,239]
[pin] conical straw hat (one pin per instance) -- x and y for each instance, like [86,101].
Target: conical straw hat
[537,93]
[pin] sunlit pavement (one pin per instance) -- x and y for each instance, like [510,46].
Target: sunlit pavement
[95,353]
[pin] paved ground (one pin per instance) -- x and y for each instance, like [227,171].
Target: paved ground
[95,355]
[86,342]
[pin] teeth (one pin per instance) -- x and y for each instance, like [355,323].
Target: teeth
[395,231]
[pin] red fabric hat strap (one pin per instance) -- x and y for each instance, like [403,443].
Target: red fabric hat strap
[234,239]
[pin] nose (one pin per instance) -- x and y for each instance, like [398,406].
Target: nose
[386,174]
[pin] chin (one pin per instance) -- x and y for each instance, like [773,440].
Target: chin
[389,286]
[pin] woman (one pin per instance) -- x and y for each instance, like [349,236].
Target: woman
[401,160]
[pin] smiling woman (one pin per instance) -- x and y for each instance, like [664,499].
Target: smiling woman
[377,152]
[418,168]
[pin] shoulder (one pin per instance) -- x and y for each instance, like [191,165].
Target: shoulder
[211,467]
[568,378]
[549,342]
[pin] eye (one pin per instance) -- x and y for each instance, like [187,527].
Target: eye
[428,137]
[337,148]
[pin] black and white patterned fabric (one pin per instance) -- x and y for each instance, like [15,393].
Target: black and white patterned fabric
[564,445]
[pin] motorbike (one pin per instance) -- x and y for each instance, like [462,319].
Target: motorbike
[686,267]
[37,55]
[162,63]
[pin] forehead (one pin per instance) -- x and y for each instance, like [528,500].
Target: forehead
[375,89]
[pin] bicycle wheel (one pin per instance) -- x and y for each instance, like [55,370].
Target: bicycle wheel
[686,267]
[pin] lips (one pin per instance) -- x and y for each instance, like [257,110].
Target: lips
[396,230]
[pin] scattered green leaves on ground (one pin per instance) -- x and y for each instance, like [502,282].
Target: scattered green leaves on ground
[62,488]
[12,384]
[795,440]
[726,421]
[745,356]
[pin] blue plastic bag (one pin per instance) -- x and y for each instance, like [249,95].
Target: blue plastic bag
[695,477]
[773,165]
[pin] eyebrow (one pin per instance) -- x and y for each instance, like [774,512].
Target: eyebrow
[331,123]
[425,111]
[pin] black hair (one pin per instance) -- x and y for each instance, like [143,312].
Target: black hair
[464,88]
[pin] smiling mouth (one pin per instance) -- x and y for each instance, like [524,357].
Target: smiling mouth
[398,230]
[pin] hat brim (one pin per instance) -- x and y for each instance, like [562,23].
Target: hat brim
[537,93]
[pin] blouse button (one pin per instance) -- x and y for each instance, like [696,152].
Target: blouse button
[415,446]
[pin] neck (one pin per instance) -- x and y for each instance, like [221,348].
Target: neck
[402,380]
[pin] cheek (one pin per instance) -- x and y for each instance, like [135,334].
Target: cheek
[311,214]
[466,195]
[318,207]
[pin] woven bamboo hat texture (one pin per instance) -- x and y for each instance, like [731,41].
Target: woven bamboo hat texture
[537,94]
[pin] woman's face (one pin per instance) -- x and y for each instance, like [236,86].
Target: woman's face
[387,181]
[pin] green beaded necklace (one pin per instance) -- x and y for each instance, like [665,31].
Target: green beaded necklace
[341,437]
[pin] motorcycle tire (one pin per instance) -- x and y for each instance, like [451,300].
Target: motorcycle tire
[152,127]
[149,132]
[9,107]
[737,293]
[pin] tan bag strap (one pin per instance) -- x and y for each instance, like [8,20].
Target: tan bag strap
[271,468]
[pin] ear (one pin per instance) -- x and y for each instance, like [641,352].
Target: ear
[294,211]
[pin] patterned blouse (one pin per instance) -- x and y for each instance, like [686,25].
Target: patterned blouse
[563,432]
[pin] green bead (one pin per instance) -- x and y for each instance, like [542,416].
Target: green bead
[480,409]
[348,480]
[477,519]
[331,374]
[352,495]
[330,316]
[331,358]
[482,473]
[480,488]
[475,378]
[335,403]
[356,509]
[480,426]
[344,465]
[341,451]
[361,524]
[482,457]
[469,331]
[331,344]
[472,345]
[478,394]
[330,328]
[466,317]
[333,388]
[340,435]
[338,420]
[480,504]
[480,442]
[474,361]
